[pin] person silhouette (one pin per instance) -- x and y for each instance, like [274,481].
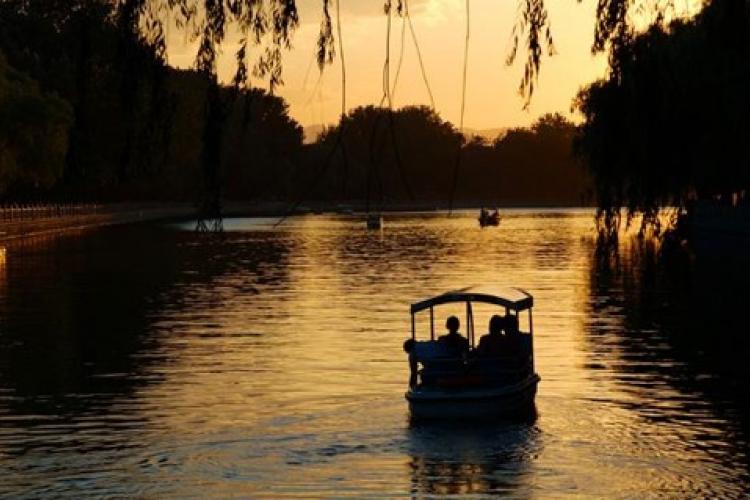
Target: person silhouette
[494,343]
[455,342]
[513,335]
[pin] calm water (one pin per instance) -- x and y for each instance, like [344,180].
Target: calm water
[149,361]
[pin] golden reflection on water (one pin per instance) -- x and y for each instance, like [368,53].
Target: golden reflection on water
[270,363]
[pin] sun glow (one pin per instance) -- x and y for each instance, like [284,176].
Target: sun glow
[492,87]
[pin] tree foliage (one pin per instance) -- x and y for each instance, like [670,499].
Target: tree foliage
[33,132]
[270,24]
[524,166]
[671,124]
[113,83]
[134,128]
[107,58]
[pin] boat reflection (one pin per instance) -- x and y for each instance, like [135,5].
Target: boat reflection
[489,458]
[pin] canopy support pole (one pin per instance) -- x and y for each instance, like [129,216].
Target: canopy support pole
[531,333]
[432,324]
[469,324]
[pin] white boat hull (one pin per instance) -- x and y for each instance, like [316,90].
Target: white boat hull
[507,401]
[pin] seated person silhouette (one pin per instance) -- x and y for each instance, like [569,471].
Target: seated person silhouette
[513,336]
[457,345]
[495,343]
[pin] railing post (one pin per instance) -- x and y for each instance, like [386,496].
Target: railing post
[413,328]
[531,334]
[432,324]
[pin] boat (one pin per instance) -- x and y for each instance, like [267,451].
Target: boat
[374,220]
[443,385]
[487,218]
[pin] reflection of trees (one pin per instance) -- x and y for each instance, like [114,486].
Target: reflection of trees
[79,317]
[459,459]
[661,318]
[695,305]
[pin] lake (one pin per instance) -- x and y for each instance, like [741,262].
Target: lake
[151,361]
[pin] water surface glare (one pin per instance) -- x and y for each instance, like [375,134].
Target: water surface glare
[153,362]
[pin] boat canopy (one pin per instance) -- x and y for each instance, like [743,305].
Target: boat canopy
[515,299]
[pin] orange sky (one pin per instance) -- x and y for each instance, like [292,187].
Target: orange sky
[492,98]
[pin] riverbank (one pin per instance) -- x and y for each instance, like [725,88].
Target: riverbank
[281,208]
[33,224]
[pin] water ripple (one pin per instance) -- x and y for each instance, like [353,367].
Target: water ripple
[150,362]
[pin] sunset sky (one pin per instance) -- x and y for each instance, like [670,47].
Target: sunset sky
[492,97]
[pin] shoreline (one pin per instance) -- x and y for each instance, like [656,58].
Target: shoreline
[129,213]
[106,215]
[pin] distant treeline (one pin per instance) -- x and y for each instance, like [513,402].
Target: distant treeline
[88,113]
[412,153]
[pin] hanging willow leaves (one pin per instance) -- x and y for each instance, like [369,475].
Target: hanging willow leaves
[613,32]
[326,49]
[267,23]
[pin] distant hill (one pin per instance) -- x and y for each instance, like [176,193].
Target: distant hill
[312,132]
[488,134]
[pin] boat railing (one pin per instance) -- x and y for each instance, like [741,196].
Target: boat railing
[458,374]
[440,366]
[501,368]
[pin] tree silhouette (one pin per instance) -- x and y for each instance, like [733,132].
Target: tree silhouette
[135,63]
[671,125]
[33,132]
[525,166]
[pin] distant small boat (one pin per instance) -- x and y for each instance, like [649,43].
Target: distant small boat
[489,218]
[344,209]
[374,221]
[474,385]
